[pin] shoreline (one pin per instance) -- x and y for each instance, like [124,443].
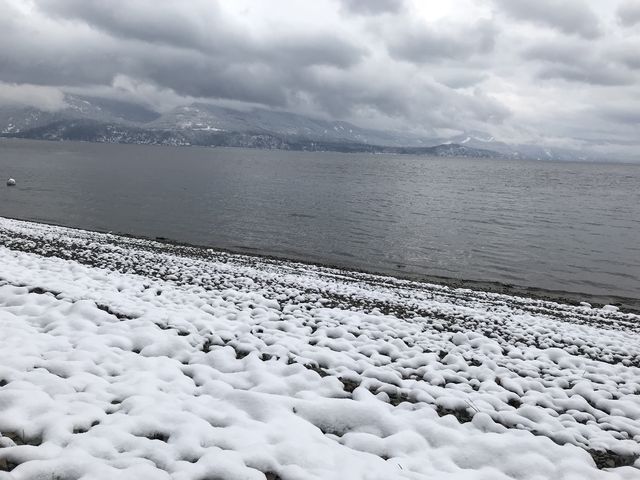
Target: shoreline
[625,304]
[187,357]
[596,161]
[166,360]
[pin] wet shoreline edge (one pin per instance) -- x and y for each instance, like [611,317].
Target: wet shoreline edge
[625,304]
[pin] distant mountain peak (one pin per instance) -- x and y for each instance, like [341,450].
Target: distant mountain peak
[109,120]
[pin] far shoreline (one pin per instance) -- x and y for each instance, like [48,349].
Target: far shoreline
[591,161]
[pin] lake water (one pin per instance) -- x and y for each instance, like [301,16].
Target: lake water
[571,227]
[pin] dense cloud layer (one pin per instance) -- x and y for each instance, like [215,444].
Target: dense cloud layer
[629,13]
[369,7]
[568,16]
[565,73]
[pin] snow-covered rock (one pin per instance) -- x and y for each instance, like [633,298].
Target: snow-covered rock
[123,358]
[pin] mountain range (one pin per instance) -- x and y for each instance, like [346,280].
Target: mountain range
[103,120]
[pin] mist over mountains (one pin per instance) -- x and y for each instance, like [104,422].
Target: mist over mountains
[94,119]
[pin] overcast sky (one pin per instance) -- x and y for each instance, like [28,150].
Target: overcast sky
[562,72]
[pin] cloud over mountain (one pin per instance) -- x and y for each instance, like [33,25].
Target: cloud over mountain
[526,71]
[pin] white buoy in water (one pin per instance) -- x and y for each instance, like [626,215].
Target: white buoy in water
[11,182]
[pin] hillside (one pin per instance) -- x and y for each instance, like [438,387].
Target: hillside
[93,119]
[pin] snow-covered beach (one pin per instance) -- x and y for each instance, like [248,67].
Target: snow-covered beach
[125,358]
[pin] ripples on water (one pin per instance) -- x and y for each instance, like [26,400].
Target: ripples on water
[552,225]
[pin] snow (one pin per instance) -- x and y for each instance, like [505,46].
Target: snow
[123,358]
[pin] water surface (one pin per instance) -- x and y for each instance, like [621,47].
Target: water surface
[571,227]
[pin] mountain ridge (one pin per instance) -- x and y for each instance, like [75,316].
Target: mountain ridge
[94,119]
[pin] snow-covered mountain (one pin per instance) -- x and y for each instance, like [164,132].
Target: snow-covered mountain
[16,120]
[114,121]
[206,117]
[481,140]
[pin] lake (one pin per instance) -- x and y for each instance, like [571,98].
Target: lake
[569,227]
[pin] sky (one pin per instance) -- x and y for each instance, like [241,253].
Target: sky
[563,73]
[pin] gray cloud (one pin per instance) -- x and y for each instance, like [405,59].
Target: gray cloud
[627,54]
[577,62]
[425,43]
[516,69]
[45,98]
[421,99]
[373,7]
[629,13]
[458,78]
[585,74]
[227,64]
[91,45]
[203,27]
[568,16]
[622,114]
